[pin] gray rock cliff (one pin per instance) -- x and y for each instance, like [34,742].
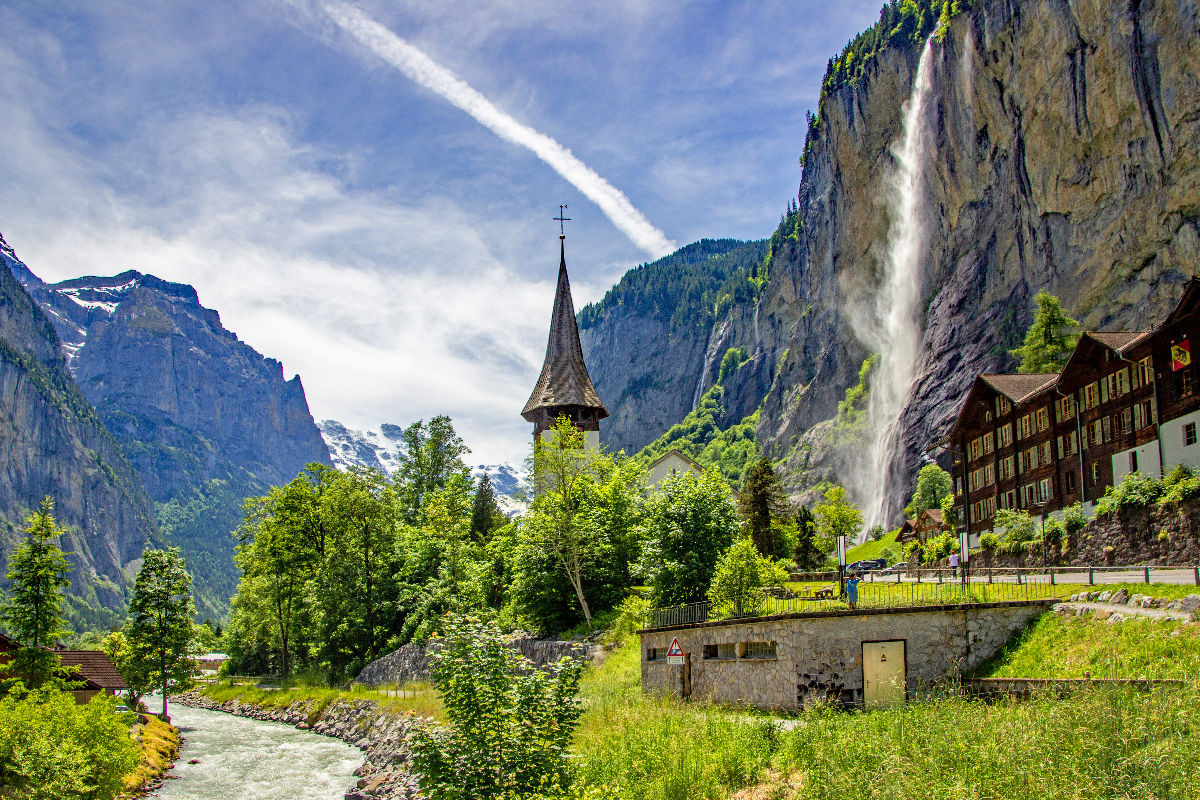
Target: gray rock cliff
[1066,142]
[204,418]
[53,444]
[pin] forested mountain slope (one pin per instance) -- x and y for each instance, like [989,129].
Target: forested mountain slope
[204,418]
[1063,149]
[52,443]
[646,343]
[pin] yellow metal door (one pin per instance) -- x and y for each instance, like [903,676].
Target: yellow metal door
[884,676]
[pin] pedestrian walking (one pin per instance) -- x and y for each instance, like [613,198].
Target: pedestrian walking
[954,563]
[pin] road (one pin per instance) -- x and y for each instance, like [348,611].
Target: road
[1171,575]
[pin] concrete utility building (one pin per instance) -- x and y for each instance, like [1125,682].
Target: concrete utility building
[871,658]
[1126,401]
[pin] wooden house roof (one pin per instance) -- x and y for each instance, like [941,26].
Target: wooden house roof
[564,380]
[94,667]
[1019,388]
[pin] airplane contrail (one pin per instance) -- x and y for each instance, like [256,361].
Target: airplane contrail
[425,71]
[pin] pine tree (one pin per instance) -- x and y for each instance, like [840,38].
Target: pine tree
[808,555]
[485,513]
[160,620]
[34,615]
[764,508]
[1049,340]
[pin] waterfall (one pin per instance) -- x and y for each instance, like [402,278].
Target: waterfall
[894,330]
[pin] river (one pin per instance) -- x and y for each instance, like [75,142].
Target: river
[244,759]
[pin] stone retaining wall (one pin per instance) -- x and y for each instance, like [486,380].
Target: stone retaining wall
[383,737]
[818,656]
[411,662]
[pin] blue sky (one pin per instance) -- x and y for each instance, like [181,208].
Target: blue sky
[359,226]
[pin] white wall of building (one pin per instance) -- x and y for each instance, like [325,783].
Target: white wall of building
[670,464]
[1147,461]
[1174,451]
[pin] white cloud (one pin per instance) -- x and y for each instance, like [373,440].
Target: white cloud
[389,311]
[423,70]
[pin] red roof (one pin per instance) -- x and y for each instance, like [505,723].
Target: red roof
[94,667]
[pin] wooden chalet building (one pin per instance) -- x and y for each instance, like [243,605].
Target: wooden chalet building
[1126,401]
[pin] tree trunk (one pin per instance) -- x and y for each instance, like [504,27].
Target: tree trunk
[577,584]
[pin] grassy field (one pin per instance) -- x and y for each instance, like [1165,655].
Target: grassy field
[1069,647]
[875,549]
[1099,743]
[414,698]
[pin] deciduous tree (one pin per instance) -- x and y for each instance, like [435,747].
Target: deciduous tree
[432,453]
[741,572]
[160,620]
[933,483]
[688,523]
[836,516]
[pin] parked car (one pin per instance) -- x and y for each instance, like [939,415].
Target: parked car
[894,568]
[866,565]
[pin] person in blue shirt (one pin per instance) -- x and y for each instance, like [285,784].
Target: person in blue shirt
[852,591]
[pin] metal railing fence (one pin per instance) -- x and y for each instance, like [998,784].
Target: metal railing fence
[870,596]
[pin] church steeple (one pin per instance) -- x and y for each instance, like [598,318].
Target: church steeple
[564,388]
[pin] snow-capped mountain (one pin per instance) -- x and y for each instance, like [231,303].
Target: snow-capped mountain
[379,448]
[382,447]
[507,481]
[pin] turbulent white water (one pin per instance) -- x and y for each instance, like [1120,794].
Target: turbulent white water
[251,760]
[894,332]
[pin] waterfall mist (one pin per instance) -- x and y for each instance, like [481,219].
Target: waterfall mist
[891,327]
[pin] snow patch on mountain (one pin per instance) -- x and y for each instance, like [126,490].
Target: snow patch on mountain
[381,448]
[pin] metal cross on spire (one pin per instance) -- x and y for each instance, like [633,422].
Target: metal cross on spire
[560,219]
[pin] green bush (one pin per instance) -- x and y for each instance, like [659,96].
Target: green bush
[1054,531]
[1019,528]
[1134,491]
[940,546]
[53,749]
[736,589]
[1180,483]
[1074,519]
[510,725]
[989,542]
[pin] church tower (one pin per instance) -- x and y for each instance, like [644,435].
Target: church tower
[564,389]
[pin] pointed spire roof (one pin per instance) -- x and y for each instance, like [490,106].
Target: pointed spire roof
[564,380]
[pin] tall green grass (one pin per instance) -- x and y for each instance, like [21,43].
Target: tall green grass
[1069,647]
[1101,743]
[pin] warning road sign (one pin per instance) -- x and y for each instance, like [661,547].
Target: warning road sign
[675,653]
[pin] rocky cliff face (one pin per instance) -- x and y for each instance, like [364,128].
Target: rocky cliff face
[204,418]
[652,346]
[1065,145]
[52,443]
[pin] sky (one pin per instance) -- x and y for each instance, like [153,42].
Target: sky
[365,190]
